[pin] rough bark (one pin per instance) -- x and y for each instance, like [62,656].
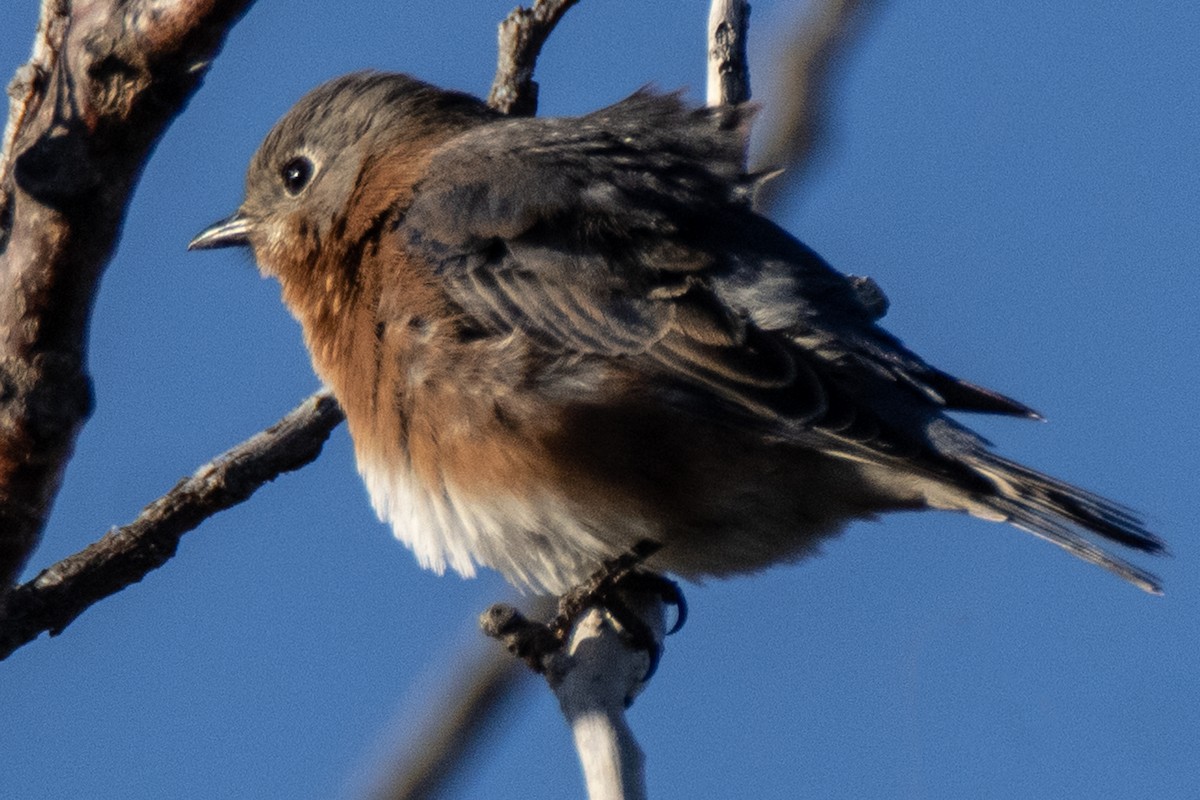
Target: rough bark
[105,79]
[728,68]
[521,37]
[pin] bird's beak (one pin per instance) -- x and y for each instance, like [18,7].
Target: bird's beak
[232,231]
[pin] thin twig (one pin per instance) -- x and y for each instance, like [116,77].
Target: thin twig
[597,654]
[123,556]
[521,37]
[728,67]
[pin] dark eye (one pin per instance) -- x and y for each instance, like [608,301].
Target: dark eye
[296,174]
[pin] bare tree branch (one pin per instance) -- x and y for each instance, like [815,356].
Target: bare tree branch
[123,556]
[29,81]
[802,100]
[728,67]
[521,37]
[595,657]
[104,80]
[595,680]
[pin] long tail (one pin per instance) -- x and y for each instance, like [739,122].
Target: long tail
[1056,511]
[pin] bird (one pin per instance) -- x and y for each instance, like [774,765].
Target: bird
[555,339]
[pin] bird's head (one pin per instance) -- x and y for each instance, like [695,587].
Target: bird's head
[335,164]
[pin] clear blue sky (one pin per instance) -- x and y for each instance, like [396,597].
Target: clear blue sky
[1022,178]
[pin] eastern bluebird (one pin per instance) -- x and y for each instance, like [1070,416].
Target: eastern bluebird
[556,338]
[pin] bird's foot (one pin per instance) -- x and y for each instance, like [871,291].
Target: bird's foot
[619,587]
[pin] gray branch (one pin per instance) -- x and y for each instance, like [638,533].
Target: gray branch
[595,669]
[123,556]
[521,37]
[728,67]
[595,680]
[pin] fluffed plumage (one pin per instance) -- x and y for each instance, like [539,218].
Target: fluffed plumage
[554,338]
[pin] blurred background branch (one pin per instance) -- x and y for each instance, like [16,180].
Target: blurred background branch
[802,99]
[461,718]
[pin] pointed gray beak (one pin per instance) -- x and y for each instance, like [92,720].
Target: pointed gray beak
[233,231]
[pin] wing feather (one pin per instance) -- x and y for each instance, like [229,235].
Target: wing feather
[628,232]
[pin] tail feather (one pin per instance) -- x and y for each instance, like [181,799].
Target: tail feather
[1054,510]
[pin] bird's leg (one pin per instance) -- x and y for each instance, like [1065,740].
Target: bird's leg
[618,582]
[616,587]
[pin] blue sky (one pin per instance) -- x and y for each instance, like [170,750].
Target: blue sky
[1023,180]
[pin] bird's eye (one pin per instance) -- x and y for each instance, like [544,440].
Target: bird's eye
[296,174]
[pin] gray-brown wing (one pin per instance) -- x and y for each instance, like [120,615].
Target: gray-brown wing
[588,235]
[594,232]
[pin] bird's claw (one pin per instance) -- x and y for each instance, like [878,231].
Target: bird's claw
[610,588]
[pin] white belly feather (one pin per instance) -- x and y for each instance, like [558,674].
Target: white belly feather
[540,543]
